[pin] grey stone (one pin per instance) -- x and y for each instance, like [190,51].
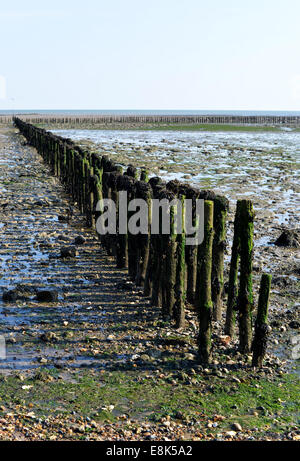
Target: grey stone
[289,238]
[47,296]
[79,240]
[68,252]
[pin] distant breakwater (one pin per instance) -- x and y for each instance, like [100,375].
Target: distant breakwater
[90,120]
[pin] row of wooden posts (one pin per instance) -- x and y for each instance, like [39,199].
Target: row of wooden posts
[70,119]
[170,272]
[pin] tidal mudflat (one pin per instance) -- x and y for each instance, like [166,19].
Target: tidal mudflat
[261,166]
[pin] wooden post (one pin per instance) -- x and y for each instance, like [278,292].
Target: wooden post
[221,206]
[245,298]
[132,247]
[98,193]
[144,175]
[167,259]
[132,172]
[191,254]
[106,191]
[233,277]
[179,307]
[88,193]
[156,277]
[157,251]
[124,183]
[259,345]
[156,184]
[149,270]
[143,191]
[204,301]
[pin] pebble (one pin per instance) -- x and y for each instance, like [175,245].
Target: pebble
[79,240]
[167,423]
[9,296]
[237,427]
[230,433]
[48,336]
[47,296]
[68,252]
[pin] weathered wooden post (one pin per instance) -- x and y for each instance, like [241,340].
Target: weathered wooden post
[92,187]
[59,155]
[132,172]
[132,247]
[179,306]
[64,163]
[74,172]
[67,169]
[106,191]
[114,195]
[221,206]
[191,252]
[157,266]
[87,173]
[233,277]
[245,297]
[124,184]
[157,261]
[259,345]
[167,254]
[149,271]
[80,180]
[204,301]
[143,191]
[98,196]
[144,175]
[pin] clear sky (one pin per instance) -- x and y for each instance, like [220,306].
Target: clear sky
[150,54]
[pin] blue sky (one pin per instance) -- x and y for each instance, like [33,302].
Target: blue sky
[158,54]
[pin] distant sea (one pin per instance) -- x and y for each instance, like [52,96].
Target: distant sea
[153,112]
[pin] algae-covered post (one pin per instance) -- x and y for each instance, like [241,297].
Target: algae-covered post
[157,250]
[167,255]
[153,266]
[179,307]
[143,191]
[98,189]
[233,277]
[132,247]
[124,184]
[113,180]
[221,206]
[191,252]
[204,301]
[245,297]
[259,345]
[144,175]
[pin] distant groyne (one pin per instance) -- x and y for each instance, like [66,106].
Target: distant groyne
[79,120]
